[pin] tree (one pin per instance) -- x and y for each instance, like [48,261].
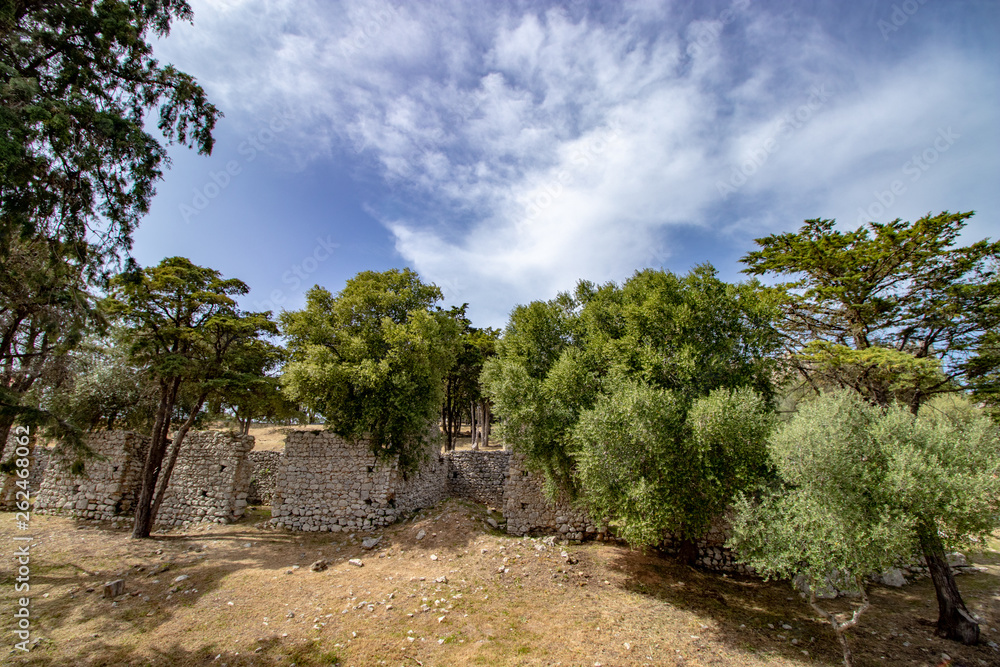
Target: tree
[595,382]
[101,388]
[462,385]
[659,465]
[45,310]
[249,388]
[892,311]
[76,82]
[184,326]
[77,168]
[372,360]
[864,488]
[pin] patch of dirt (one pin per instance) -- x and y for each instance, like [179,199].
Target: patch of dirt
[464,594]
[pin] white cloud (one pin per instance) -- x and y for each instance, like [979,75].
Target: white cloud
[575,146]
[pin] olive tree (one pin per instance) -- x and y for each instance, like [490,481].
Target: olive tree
[864,488]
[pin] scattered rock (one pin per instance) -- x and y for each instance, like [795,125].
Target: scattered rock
[371,542]
[442,579]
[113,589]
[182,577]
[434,557]
[421,534]
[356,562]
[893,577]
[492,522]
[957,560]
[319,565]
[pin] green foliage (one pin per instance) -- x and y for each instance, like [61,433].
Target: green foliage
[657,465]
[372,359]
[77,80]
[102,388]
[611,391]
[861,301]
[858,483]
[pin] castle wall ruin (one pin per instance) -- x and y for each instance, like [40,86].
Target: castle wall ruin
[478,475]
[325,483]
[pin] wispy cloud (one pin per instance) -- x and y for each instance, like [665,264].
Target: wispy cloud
[528,146]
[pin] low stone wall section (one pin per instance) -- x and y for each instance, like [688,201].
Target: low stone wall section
[109,485]
[263,468]
[478,475]
[210,481]
[325,483]
[527,510]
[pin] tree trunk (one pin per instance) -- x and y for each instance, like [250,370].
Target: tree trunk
[842,628]
[954,620]
[6,423]
[175,449]
[154,458]
[687,551]
[486,423]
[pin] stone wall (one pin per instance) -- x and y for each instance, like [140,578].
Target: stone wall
[263,467]
[478,475]
[210,481]
[527,510]
[109,485]
[38,459]
[712,552]
[325,483]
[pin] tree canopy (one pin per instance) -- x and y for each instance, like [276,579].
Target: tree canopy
[600,389]
[186,330]
[77,80]
[864,488]
[372,359]
[894,311]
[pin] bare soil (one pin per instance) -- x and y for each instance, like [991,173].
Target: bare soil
[248,597]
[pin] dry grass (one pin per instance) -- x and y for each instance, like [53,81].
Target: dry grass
[245,603]
[272,438]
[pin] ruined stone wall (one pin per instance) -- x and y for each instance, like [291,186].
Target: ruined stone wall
[109,485]
[325,483]
[527,510]
[478,475]
[38,459]
[210,481]
[712,552]
[263,467]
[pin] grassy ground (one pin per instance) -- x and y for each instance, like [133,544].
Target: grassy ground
[250,598]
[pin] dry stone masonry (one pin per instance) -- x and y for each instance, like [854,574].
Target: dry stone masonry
[263,467]
[109,485]
[210,481]
[478,475]
[38,459]
[527,510]
[325,483]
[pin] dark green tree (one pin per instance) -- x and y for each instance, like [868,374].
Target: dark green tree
[463,390]
[591,384]
[372,360]
[77,80]
[184,327]
[893,311]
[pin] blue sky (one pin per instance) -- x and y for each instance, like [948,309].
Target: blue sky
[507,150]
